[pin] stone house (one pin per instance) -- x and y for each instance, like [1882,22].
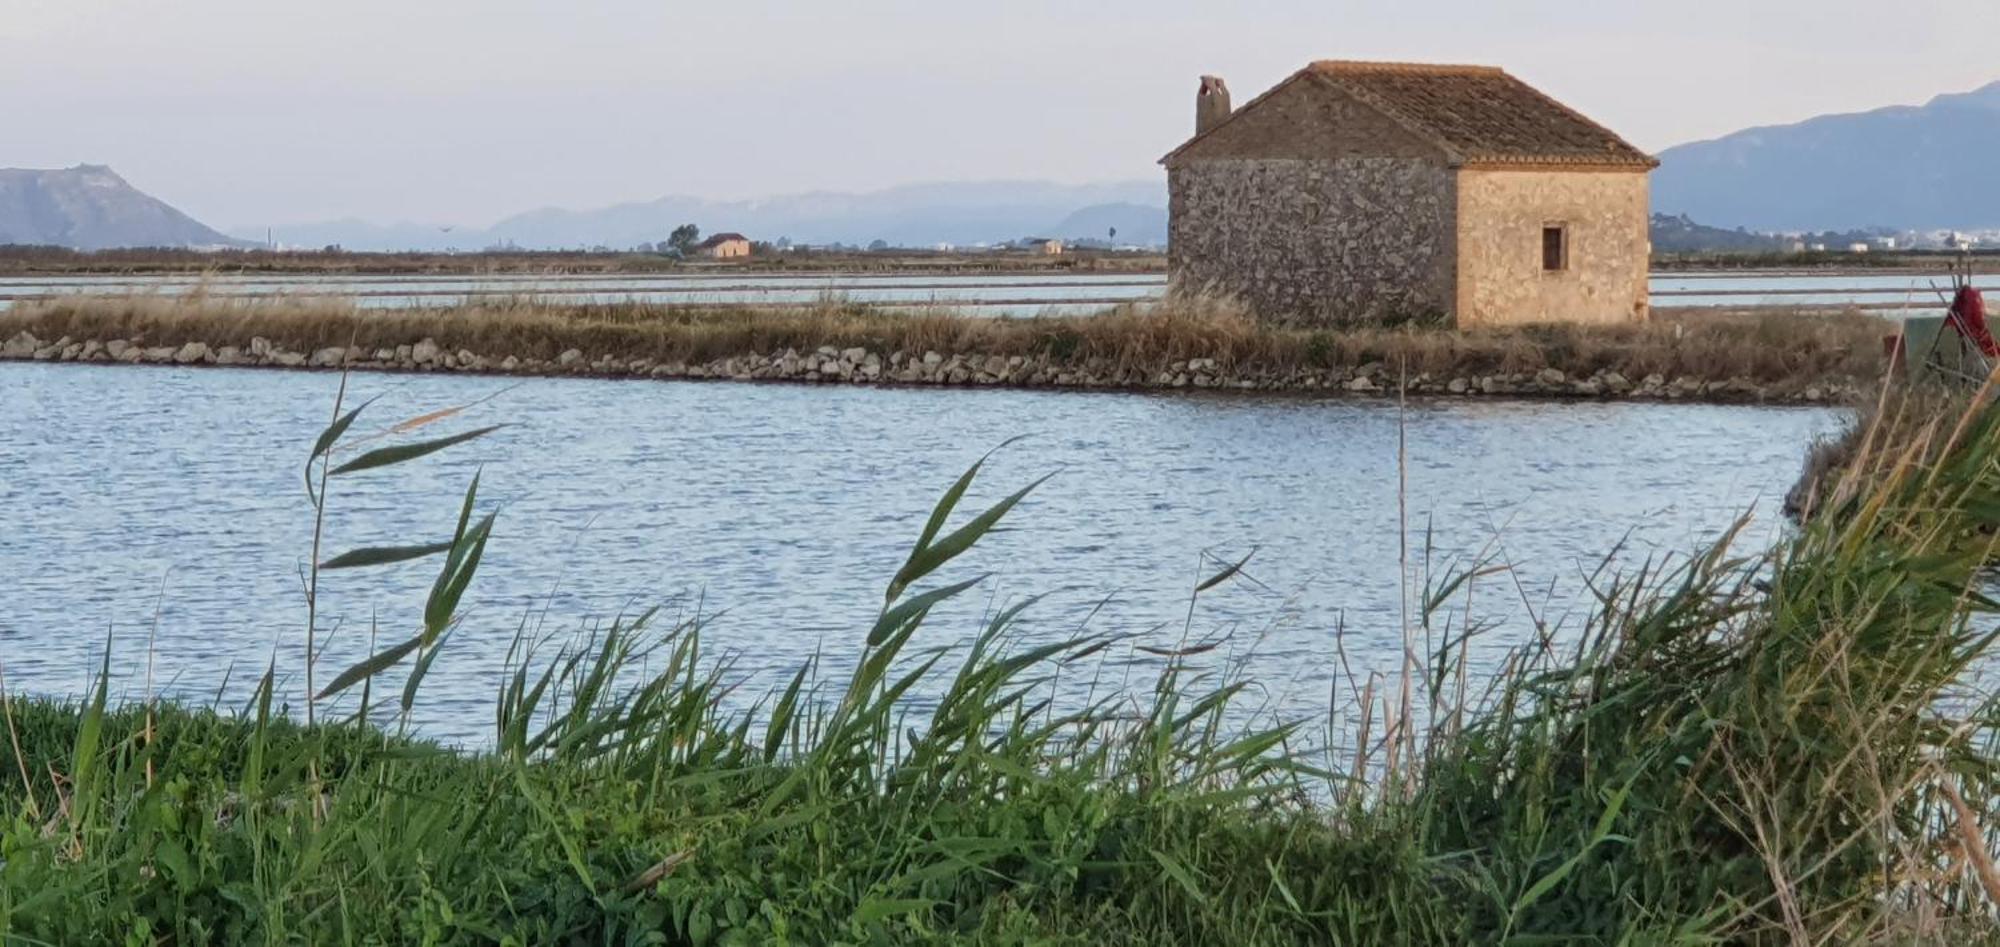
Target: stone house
[1360,192]
[724,246]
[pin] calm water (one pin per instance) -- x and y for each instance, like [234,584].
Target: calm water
[990,294]
[781,511]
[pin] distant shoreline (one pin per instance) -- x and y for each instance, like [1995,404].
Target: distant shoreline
[51,261]
[56,261]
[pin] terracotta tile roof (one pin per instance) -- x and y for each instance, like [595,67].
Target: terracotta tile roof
[720,239]
[1479,115]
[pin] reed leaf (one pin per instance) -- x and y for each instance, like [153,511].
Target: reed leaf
[385,456]
[383,555]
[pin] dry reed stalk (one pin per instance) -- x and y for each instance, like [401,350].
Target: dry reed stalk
[14,737]
[1979,400]
[1972,841]
[1363,728]
[654,875]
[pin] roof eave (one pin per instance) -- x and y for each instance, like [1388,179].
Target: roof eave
[1562,163]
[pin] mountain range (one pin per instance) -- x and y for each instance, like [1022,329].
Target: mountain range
[1925,167]
[89,207]
[1928,167]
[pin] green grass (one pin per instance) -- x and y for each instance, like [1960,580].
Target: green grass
[1751,751]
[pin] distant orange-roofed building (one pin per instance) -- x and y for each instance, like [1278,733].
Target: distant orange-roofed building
[724,246]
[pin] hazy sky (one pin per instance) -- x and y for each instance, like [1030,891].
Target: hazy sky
[247,112]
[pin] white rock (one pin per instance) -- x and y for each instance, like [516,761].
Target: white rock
[328,357]
[20,346]
[424,353]
[933,358]
[569,357]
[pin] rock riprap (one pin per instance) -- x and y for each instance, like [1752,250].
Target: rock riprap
[860,365]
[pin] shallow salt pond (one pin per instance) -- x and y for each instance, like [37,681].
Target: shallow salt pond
[780,511]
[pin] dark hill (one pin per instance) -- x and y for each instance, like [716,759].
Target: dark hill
[89,207]
[1929,167]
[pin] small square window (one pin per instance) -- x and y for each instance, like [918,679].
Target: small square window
[1555,248]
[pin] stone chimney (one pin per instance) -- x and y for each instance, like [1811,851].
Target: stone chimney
[1211,104]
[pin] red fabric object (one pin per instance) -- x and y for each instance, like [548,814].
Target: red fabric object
[1968,314]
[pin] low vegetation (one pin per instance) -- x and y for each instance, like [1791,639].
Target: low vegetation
[1782,351]
[1787,747]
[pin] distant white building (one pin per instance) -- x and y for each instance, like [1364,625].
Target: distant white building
[1857,248]
[1885,243]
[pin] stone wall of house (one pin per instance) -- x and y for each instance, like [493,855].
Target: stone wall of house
[1316,241]
[1501,216]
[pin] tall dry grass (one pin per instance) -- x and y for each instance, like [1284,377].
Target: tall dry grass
[1778,349]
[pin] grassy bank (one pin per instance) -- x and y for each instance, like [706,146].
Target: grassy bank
[1747,356]
[1785,749]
